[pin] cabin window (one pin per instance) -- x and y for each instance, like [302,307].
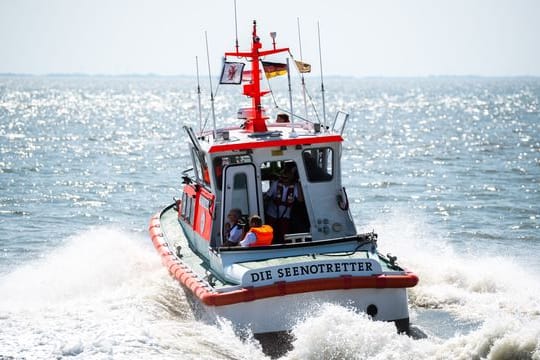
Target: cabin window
[204,214]
[197,164]
[191,211]
[222,161]
[240,192]
[184,212]
[319,164]
[201,169]
[187,208]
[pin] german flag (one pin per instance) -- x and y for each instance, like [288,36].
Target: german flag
[272,69]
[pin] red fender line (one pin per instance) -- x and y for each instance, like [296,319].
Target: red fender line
[183,274]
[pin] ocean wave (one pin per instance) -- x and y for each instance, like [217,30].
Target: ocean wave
[103,294]
[335,332]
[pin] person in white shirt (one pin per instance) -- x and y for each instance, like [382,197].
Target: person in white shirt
[233,228]
[258,234]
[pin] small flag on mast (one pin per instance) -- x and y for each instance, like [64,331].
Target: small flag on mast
[272,69]
[302,66]
[232,73]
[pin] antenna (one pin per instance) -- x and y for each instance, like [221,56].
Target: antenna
[236,26]
[211,88]
[293,133]
[301,73]
[199,94]
[322,81]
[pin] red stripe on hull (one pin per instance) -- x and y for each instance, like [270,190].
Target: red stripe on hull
[204,292]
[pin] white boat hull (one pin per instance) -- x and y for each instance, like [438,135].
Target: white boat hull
[278,314]
[278,306]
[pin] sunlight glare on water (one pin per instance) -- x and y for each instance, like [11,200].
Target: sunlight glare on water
[445,170]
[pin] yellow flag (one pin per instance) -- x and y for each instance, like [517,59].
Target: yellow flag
[303,67]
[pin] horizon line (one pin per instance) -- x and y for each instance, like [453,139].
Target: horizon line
[141,75]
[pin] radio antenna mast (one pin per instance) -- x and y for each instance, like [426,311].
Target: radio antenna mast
[301,73]
[211,89]
[322,80]
[236,26]
[199,94]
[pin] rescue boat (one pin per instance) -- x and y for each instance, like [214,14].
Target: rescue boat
[315,255]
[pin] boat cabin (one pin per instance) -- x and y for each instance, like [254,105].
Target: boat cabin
[239,167]
[236,169]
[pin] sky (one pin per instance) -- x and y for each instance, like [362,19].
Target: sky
[358,37]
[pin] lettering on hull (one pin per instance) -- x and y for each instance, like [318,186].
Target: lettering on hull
[311,270]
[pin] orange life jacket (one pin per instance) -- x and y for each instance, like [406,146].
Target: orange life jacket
[264,235]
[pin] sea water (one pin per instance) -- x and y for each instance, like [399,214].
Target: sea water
[445,170]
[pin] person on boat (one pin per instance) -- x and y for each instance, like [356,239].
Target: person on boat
[258,234]
[234,229]
[218,171]
[282,118]
[283,194]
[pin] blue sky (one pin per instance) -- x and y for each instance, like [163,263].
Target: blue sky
[359,38]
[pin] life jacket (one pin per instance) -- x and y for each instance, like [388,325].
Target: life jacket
[219,171]
[206,175]
[264,235]
[289,200]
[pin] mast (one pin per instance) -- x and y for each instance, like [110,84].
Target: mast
[235,26]
[199,95]
[301,73]
[322,80]
[256,122]
[293,133]
[211,91]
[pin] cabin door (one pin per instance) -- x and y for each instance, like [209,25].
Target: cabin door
[240,190]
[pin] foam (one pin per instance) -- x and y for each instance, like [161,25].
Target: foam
[500,338]
[104,294]
[339,333]
[94,263]
[335,332]
[470,284]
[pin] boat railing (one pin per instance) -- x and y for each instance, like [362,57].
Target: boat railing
[340,121]
[298,237]
[355,240]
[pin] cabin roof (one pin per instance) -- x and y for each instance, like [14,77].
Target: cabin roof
[276,136]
